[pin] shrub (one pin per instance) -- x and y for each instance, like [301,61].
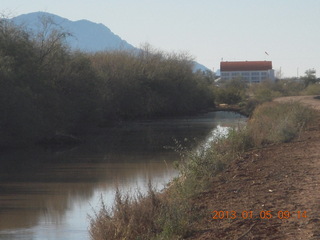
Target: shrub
[249,106]
[130,218]
[175,218]
[278,122]
[312,89]
[266,91]
[231,92]
[153,216]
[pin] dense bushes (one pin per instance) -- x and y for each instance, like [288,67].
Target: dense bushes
[149,84]
[45,88]
[231,92]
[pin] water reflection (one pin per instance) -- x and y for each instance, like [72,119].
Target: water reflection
[47,193]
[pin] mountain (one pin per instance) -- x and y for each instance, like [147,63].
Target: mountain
[85,35]
[198,66]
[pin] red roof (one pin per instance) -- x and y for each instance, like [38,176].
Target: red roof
[246,66]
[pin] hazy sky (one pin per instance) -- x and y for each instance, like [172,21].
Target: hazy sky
[209,30]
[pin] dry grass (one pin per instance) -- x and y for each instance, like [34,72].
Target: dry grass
[153,216]
[130,217]
[278,122]
[312,89]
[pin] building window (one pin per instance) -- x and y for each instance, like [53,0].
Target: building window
[235,74]
[255,73]
[224,75]
[245,74]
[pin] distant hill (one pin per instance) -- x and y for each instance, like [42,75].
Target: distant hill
[86,36]
[198,66]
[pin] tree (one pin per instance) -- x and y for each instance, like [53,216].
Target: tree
[231,91]
[310,77]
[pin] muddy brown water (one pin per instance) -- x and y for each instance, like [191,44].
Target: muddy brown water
[48,194]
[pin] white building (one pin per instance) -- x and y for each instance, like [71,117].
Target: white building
[250,71]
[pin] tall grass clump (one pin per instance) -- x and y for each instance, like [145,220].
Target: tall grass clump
[278,122]
[143,217]
[130,217]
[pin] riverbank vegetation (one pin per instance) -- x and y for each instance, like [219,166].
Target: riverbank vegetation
[47,89]
[172,215]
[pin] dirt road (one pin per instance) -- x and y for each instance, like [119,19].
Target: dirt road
[307,100]
[270,193]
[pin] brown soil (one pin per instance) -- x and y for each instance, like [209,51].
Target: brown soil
[281,177]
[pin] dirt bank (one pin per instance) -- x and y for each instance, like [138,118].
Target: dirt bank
[282,178]
[307,100]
